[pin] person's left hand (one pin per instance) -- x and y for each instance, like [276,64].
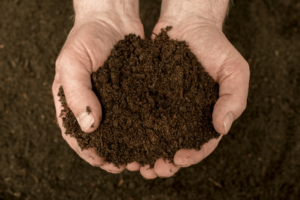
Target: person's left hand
[220,59]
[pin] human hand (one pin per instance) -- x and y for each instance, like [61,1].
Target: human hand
[199,23]
[99,25]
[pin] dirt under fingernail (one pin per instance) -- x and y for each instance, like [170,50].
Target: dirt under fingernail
[156,99]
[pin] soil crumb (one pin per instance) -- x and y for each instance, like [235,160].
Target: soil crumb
[88,110]
[156,99]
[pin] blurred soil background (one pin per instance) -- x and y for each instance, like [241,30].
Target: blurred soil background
[258,159]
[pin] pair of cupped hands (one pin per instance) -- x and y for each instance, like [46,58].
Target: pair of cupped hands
[98,28]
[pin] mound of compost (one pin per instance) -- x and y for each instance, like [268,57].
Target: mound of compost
[156,99]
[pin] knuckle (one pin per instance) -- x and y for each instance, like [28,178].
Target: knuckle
[59,61]
[246,68]
[243,106]
[240,107]
[64,58]
[74,100]
[238,67]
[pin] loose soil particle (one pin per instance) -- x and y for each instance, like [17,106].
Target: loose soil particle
[156,99]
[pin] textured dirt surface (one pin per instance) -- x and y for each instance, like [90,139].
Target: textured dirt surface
[258,159]
[156,99]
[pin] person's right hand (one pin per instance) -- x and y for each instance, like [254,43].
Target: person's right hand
[99,25]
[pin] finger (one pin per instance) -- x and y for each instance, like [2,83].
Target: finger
[89,155]
[188,157]
[75,75]
[164,168]
[111,168]
[233,79]
[147,172]
[134,166]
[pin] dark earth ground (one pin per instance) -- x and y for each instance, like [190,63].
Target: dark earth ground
[258,159]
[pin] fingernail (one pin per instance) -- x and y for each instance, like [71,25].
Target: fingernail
[85,121]
[228,120]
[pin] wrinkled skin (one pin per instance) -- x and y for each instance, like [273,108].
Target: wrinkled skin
[89,44]
[87,47]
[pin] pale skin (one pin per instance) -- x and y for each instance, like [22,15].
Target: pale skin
[99,24]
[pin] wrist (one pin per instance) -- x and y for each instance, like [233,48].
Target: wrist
[206,11]
[125,10]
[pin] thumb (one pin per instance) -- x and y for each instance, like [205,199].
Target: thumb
[233,79]
[75,75]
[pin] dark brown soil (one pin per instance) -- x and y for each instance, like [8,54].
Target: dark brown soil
[257,159]
[156,99]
